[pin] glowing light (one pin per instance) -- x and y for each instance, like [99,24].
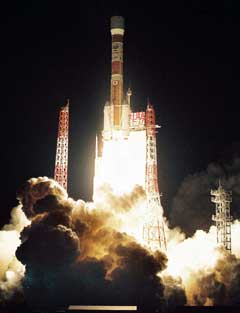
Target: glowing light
[11,270]
[10,275]
[9,241]
[192,254]
[123,163]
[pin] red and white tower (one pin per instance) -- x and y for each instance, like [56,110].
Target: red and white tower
[153,229]
[61,164]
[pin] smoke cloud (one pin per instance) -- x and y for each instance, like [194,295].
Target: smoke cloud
[208,273]
[73,252]
[221,285]
[120,203]
[11,270]
[209,276]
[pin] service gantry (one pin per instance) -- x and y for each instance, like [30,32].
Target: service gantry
[153,228]
[222,217]
[61,163]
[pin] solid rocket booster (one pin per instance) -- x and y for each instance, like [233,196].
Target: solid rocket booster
[117,31]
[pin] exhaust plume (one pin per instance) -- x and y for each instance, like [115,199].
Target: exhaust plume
[78,252]
[74,252]
[11,270]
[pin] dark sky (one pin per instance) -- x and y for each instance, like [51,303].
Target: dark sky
[184,55]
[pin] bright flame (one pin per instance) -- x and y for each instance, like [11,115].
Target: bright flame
[122,168]
[122,165]
[132,221]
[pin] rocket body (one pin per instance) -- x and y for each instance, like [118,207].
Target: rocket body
[117,111]
[117,31]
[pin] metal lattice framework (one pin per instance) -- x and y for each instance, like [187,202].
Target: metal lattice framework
[222,217]
[61,164]
[153,229]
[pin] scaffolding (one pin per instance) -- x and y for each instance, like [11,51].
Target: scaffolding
[222,217]
[153,228]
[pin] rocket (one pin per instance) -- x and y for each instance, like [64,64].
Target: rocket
[117,31]
[117,110]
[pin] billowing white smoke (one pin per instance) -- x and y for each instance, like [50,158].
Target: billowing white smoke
[191,261]
[11,270]
[194,258]
[235,238]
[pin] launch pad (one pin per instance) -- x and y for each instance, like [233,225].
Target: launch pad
[126,149]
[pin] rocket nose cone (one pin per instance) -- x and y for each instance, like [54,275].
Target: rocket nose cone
[117,22]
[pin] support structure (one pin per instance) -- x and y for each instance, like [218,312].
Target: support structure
[153,229]
[61,163]
[222,217]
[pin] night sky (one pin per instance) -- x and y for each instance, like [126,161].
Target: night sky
[183,55]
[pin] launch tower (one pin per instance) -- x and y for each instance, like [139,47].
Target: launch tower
[153,229]
[222,217]
[61,163]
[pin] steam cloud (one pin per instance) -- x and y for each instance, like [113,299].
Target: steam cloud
[72,252]
[220,286]
[213,276]
[11,270]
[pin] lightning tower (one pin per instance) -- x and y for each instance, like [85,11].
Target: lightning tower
[222,217]
[153,229]
[61,163]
